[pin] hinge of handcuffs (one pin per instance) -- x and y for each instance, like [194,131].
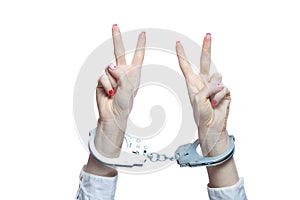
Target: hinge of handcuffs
[186,155]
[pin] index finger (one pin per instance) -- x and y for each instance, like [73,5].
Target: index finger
[118,45]
[205,58]
[183,61]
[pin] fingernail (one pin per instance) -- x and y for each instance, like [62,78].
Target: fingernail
[213,103]
[115,28]
[112,67]
[220,85]
[208,34]
[177,42]
[143,33]
[111,93]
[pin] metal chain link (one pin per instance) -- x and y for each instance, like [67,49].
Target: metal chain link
[155,157]
[136,146]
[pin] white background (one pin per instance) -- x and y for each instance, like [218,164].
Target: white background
[44,43]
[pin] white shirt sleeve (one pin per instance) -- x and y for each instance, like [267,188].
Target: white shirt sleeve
[235,192]
[93,187]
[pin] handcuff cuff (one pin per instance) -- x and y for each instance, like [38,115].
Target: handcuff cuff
[136,154]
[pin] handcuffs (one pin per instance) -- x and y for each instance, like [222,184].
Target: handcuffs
[136,154]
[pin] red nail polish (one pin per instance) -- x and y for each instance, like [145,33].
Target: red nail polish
[115,24]
[213,103]
[208,34]
[111,92]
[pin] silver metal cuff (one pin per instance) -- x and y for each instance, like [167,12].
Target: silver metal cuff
[186,155]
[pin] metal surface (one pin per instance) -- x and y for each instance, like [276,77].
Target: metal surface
[135,152]
[124,160]
[186,155]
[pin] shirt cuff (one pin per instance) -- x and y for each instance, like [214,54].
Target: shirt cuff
[235,192]
[93,187]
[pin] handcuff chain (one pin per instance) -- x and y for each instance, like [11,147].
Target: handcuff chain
[155,157]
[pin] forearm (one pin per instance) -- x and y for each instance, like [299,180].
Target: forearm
[109,139]
[97,181]
[96,168]
[225,174]
[108,142]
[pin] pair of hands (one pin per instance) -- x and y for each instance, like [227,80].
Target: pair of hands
[119,84]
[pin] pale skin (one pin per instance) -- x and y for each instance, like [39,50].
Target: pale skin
[209,98]
[115,92]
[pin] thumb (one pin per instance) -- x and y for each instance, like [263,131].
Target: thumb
[209,90]
[127,86]
[115,71]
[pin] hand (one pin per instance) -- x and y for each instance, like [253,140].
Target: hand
[115,93]
[210,100]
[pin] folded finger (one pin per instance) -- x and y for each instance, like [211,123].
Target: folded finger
[105,83]
[111,79]
[216,78]
[116,72]
[220,96]
[210,90]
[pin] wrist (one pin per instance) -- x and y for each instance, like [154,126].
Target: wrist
[115,124]
[219,148]
[213,146]
[109,140]
[225,174]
